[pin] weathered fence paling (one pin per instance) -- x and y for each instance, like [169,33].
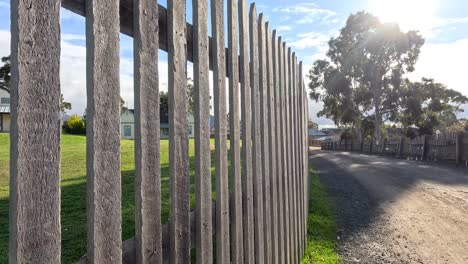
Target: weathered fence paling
[449,146]
[261,204]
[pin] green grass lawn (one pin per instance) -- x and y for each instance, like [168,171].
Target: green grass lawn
[321,227]
[73,187]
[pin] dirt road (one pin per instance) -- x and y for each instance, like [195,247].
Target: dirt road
[394,211]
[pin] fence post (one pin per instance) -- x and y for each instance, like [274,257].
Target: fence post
[371,145]
[400,148]
[425,147]
[459,148]
[361,148]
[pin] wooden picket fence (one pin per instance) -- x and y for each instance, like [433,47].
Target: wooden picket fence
[260,211]
[441,147]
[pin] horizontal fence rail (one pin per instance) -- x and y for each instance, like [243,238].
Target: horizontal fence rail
[261,182]
[442,147]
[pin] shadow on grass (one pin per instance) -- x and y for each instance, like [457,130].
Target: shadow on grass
[73,210]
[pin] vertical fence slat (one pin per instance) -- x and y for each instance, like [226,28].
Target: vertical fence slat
[286,173]
[304,143]
[280,154]
[247,179]
[306,177]
[295,146]
[256,139]
[219,86]
[179,222]
[35,133]
[203,211]
[103,137]
[147,157]
[271,47]
[291,157]
[235,177]
[264,130]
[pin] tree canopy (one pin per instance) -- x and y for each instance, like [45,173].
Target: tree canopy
[362,81]
[5,76]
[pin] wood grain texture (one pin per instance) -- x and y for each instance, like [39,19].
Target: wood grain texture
[291,156]
[256,139]
[264,132]
[178,147]
[296,147]
[247,179]
[203,211]
[103,137]
[35,133]
[287,166]
[299,159]
[147,157]
[304,138]
[234,128]
[281,148]
[272,108]
[276,159]
[219,87]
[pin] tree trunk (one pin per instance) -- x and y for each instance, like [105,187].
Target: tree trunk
[378,115]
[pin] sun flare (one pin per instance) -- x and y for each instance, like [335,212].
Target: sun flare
[409,14]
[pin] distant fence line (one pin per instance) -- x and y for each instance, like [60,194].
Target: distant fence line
[445,146]
[260,211]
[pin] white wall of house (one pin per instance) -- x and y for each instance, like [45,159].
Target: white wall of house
[127,125]
[5,122]
[5,118]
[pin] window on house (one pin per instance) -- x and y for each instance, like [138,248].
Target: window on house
[127,131]
[5,100]
[165,131]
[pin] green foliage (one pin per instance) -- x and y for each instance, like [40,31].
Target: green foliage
[5,76]
[75,125]
[312,125]
[190,96]
[362,74]
[321,227]
[64,106]
[427,105]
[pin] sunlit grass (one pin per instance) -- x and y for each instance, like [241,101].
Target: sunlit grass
[73,192]
[321,227]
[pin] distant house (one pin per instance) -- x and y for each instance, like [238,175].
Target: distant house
[315,133]
[127,125]
[4,111]
[334,133]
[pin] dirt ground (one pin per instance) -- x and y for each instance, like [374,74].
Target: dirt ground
[396,211]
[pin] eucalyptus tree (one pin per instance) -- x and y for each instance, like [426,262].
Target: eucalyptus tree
[363,72]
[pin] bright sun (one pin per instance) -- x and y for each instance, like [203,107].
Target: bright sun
[409,14]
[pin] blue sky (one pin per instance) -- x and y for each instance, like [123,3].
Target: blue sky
[305,25]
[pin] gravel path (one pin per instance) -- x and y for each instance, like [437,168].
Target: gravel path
[394,211]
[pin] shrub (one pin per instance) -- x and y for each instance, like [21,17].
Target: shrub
[75,125]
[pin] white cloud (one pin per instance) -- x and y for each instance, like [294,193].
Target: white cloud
[71,37]
[309,13]
[284,28]
[446,63]
[4,43]
[311,39]
[73,72]
[5,4]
